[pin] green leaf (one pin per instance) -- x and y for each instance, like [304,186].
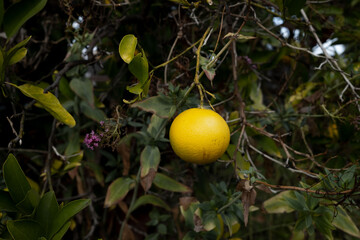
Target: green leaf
[164,182]
[241,162]
[295,204]
[150,158]
[155,126]
[49,102]
[6,203]
[18,46]
[278,204]
[135,89]
[139,67]
[92,112]
[344,222]
[18,56]
[66,213]
[160,105]
[65,90]
[84,89]
[294,6]
[15,179]
[117,190]
[17,14]
[127,48]
[59,235]
[24,229]
[268,145]
[150,199]
[46,211]
[30,202]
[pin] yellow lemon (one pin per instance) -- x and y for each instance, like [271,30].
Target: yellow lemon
[199,135]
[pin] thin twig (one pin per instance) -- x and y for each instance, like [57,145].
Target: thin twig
[304,189]
[331,60]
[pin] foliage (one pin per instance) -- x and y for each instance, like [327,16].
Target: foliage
[89,90]
[29,216]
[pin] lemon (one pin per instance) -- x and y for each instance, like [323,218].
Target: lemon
[199,135]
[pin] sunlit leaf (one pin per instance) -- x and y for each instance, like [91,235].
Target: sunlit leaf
[344,222]
[139,67]
[127,47]
[49,102]
[278,204]
[18,56]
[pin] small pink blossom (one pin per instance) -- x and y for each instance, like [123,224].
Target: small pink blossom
[92,140]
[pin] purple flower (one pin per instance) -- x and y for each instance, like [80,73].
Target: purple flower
[92,140]
[102,123]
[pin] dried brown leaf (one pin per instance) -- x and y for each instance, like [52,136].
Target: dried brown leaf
[124,151]
[186,201]
[147,181]
[128,233]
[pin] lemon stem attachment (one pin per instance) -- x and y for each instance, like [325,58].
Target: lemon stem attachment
[196,79]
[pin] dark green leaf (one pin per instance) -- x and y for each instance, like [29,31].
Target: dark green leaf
[300,223]
[66,213]
[155,126]
[24,229]
[164,182]
[117,190]
[301,200]
[160,105]
[84,89]
[127,48]
[15,179]
[150,199]
[6,202]
[17,14]
[59,235]
[139,67]
[30,202]
[150,158]
[49,102]
[308,220]
[294,6]
[295,204]
[268,145]
[92,112]
[47,211]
